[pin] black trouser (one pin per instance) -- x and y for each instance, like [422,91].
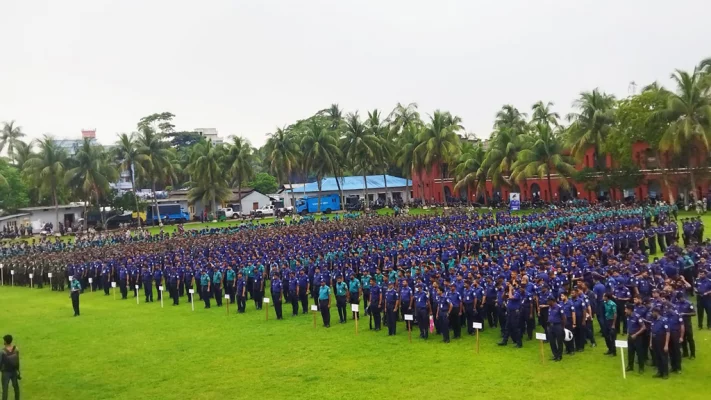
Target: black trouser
[198,288]
[230,289]
[660,239]
[501,310]
[455,322]
[555,339]
[688,346]
[469,317]
[443,323]
[675,350]
[160,294]
[181,288]
[589,334]
[569,344]
[608,330]
[123,288]
[206,296]
[341,305]
[528,323]
[491,315]
[241,302]
[375,314]
[304,299]
[366,296]
[148,290]
[423,322]
[513,327]
[7,377]
[106,283]
[652,245]
[217,291]
[579,334]
[406,310]
[277,304]
[355,299]
[294,299]
[176,293]
[257,296]
[391,318]
[636,347]
[620,311]
[661,357]
[189,286]
[325,312]
[250,287]
[75,301]
[703,305]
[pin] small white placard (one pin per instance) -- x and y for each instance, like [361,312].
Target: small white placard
[314,308]
[1,266]
[49,275]
[354,307]
[477,325]
[191,291]
[12,272]
[227,296]
[136,286]
[91,280]
[540,336]
[621,344]
[31,276]
[266,299]
[71,278]
[408,317]
[160,288]
[113,284]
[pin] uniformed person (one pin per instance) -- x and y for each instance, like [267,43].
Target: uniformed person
[554,330]
[294,293]
[277,290]
[406,302]
[76,289]
[457,311]
[686,310]
[513,317]
[444,309]
[217,285]
[205,285]
[636,346]
[174,282]
[258,289]
[424,311]
[341,295]
[230,277]
[147,278]
[241,293]
[189,282]
[392,303]
[354,293]
[659,343]
[376,303]
[304,287]
[324,303]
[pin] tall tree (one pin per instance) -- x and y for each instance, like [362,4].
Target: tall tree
[92,174]
[402,116]
[238,162]
[439,143]
[22,152]
[208,181]
[321,153]
[283,154]
[688,113]
[542,157]
[47,168]
[336,123]
[360,145]
[131,160]
[542,114]
[469,171]
[591,124]
[385,152]
[408,158]
[159,164]
[10,136]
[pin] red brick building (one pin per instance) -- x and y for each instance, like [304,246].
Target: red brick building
[429,183]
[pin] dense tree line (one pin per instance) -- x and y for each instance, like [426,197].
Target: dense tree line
[675,123]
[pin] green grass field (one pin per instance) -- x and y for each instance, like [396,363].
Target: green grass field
[120,350]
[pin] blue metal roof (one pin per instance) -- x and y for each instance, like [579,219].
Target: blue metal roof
[354,183]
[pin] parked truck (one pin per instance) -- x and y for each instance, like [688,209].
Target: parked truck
[168,213]
[329,203]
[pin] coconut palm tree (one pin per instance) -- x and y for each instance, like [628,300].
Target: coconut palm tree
[22,152]
[386,141]
[469,172]
[319,146]
[131,160]
[336,123]
[208,181]
[238,162]
[407,158]
[10,136]
[283,155]
[510,118]
[92,174]
[591,124]
[47,168]
[402,116]
[439,143]
[542,114]
[360,144]
[503,150]
[159,163]
[688,113]
[543,156]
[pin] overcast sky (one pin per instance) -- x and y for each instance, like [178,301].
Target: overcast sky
[246,67]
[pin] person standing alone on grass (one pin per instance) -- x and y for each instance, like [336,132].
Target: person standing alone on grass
[76,288]
[10,368]
[608,330]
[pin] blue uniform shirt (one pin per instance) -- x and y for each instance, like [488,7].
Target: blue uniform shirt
[555,314]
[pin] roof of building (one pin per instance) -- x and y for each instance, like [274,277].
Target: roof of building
[354,183]
[13,216]
[182,194]
[40,208]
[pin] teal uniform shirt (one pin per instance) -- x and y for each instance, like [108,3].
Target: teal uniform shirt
[366,282]
[354,285]
[217,277]
[341,289]
[230,275]
[76,285]
[324,292]
[204,280]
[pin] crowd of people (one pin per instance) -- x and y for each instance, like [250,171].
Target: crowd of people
[561,269]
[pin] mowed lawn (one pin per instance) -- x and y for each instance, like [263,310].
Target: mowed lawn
[120,350]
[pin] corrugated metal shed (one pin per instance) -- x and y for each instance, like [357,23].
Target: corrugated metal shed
[355,183]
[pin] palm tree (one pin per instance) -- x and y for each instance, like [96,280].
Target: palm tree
[688,113]
[22,152]
[130,159]
[542,114]
[321,153]
[208,182]
[509,117]
[334,116]
[92,174]
[360,145]
[592,124]
[47,168]
[542,156]
[238,162]
[407,158]
[10,136]
[283,155]
[503,150]
[439,143]
[158,165]
[386,138]
[402,116]
[469,172]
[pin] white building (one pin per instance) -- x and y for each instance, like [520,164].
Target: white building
[209,134]
[39,216]
[245,201]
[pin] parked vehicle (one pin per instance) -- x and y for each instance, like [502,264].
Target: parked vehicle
[168,213]
[264,211]
[329,203]
[229,212]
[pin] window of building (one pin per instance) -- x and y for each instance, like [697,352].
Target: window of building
[255,205]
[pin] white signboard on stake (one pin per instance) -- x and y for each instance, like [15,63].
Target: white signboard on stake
[266,299]
[540,336]
[314,308]
[113,284]
[477,325]
[354,307]
[408,317]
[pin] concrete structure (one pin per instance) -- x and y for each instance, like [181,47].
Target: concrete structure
[14,220]
[245,201]
[209,134]
[38,216]
[253,201]
[429,184]
[397,188]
